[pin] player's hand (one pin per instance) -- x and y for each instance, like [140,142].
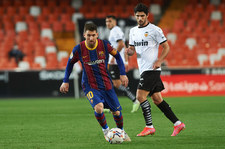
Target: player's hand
[129,51]
[64,88]
[112,61]
[156,65]
[124,80]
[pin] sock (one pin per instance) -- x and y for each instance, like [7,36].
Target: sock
[165,108]
[119,120]
[128,93]
[177,123]
[101,120]
[146,109]
[150,126]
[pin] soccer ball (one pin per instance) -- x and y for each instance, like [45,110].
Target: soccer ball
[115,136]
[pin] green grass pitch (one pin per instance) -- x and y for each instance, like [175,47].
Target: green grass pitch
[67,123]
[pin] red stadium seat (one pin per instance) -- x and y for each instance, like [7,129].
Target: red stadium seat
[23,10]
[69,26]
[29,3]
[53,18]
[18,3]
[57,26]
[65,18]
[45,11]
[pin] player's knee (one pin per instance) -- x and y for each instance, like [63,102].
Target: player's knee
[117,113]
[157,101]
[157,98]
[140,98]
[99,108]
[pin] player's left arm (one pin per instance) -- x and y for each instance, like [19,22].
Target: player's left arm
[165,51]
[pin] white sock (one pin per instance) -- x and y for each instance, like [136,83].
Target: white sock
[177,123]
[136,102]
[150,126]
[105,131]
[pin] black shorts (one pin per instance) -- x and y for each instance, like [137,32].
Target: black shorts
[151,81]
[114,72]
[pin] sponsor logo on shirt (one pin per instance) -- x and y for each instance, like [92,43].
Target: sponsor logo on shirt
[142,43]
[99,61]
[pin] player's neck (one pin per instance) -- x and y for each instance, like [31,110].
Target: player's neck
[91,47]
[141,26]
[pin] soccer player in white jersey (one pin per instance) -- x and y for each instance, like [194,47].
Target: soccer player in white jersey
[117,40]
[145,39]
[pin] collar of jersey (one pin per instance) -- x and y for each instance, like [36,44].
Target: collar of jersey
[143,26]
[96,44]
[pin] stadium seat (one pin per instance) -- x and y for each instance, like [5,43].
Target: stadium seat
[65,18]
[40,3]
[46,11]
[190,42]
[53,18]
[61,55]
[21,26]
[172,37]
[202,58]
[221,52]
[23,65]
[63,63]
[216,15]
[50,49]
[57,26]
[213,57]
[52,3]
[23,10]
[35,11]
[69,26]
[11,10]
[36,66]
[47,32]
[29,3]
[41,60]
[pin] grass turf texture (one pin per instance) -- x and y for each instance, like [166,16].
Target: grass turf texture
[66,123]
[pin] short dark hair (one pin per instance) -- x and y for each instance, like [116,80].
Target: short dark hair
[111,16]
[90,26]
[141,7]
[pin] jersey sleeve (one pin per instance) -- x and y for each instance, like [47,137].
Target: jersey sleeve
[160,37]
[118,35]
[74,57]
[108,46]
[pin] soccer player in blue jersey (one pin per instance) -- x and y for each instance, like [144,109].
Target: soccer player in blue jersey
[93,54]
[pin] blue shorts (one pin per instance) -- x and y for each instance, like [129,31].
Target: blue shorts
[108,98]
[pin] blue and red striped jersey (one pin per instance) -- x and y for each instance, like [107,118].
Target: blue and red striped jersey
[94,63]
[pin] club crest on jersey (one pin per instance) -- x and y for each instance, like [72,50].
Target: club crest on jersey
[101,53]
[71,55]
[146,34]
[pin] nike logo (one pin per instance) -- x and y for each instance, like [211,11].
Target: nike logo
[141,84]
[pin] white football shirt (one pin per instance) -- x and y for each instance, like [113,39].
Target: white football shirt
[115,35]
[146,41]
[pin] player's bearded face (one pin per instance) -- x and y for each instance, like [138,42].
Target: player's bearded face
[91,37]
[141,18]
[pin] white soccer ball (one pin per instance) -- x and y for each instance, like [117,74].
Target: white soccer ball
[115,136]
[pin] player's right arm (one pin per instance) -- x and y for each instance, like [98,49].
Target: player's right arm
[74,57]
